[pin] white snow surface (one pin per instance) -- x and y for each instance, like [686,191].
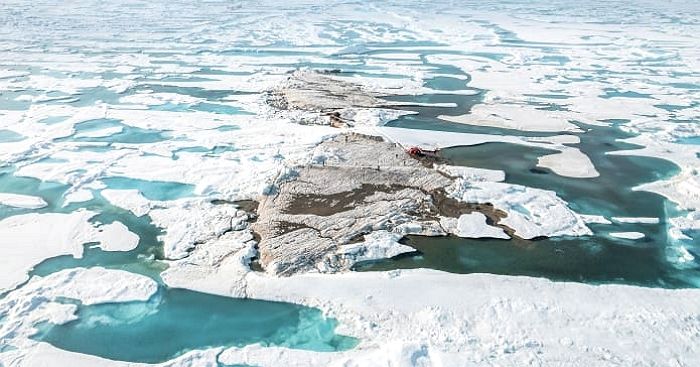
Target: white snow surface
[642,220]
[471,173]
[628,235]
[531,212]
[28,239]
[188,222]
[472,225]
[45,355]
[376,245]
[131,200]
[22,201]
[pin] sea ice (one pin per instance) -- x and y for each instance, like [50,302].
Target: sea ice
[594,219]
[472,225]
[471,173]
[189,222]
[116,237]
[628,235]
[642,220]
[376,245]
[516,117]
[531,212]
[22,201]
[131,200]
[40,300]
[28,239]
[77,196]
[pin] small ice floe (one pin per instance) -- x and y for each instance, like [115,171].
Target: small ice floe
[78,196]
[637,220]
[116,237]
[514,116]
[627,235]
[472,225]
[22,201]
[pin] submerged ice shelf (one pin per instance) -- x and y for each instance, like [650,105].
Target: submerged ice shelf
[568,152]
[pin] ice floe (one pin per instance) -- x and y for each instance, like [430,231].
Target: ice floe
[376,245]
[28,239]
[471,173]
[22,201]
[77,196]
[116,237]
[641,220]
[101,133]
[628,235]
[472,225]
[131,200]
[516,117]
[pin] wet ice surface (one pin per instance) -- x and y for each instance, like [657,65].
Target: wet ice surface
[143,123]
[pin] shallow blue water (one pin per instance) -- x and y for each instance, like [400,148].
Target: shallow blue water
[128,135]
[153,190]
[177,320]
[692,140]
[612,93]
[51,192]
[219,108]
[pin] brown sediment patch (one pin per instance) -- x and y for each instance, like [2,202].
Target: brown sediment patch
[288,227]
[325,205]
